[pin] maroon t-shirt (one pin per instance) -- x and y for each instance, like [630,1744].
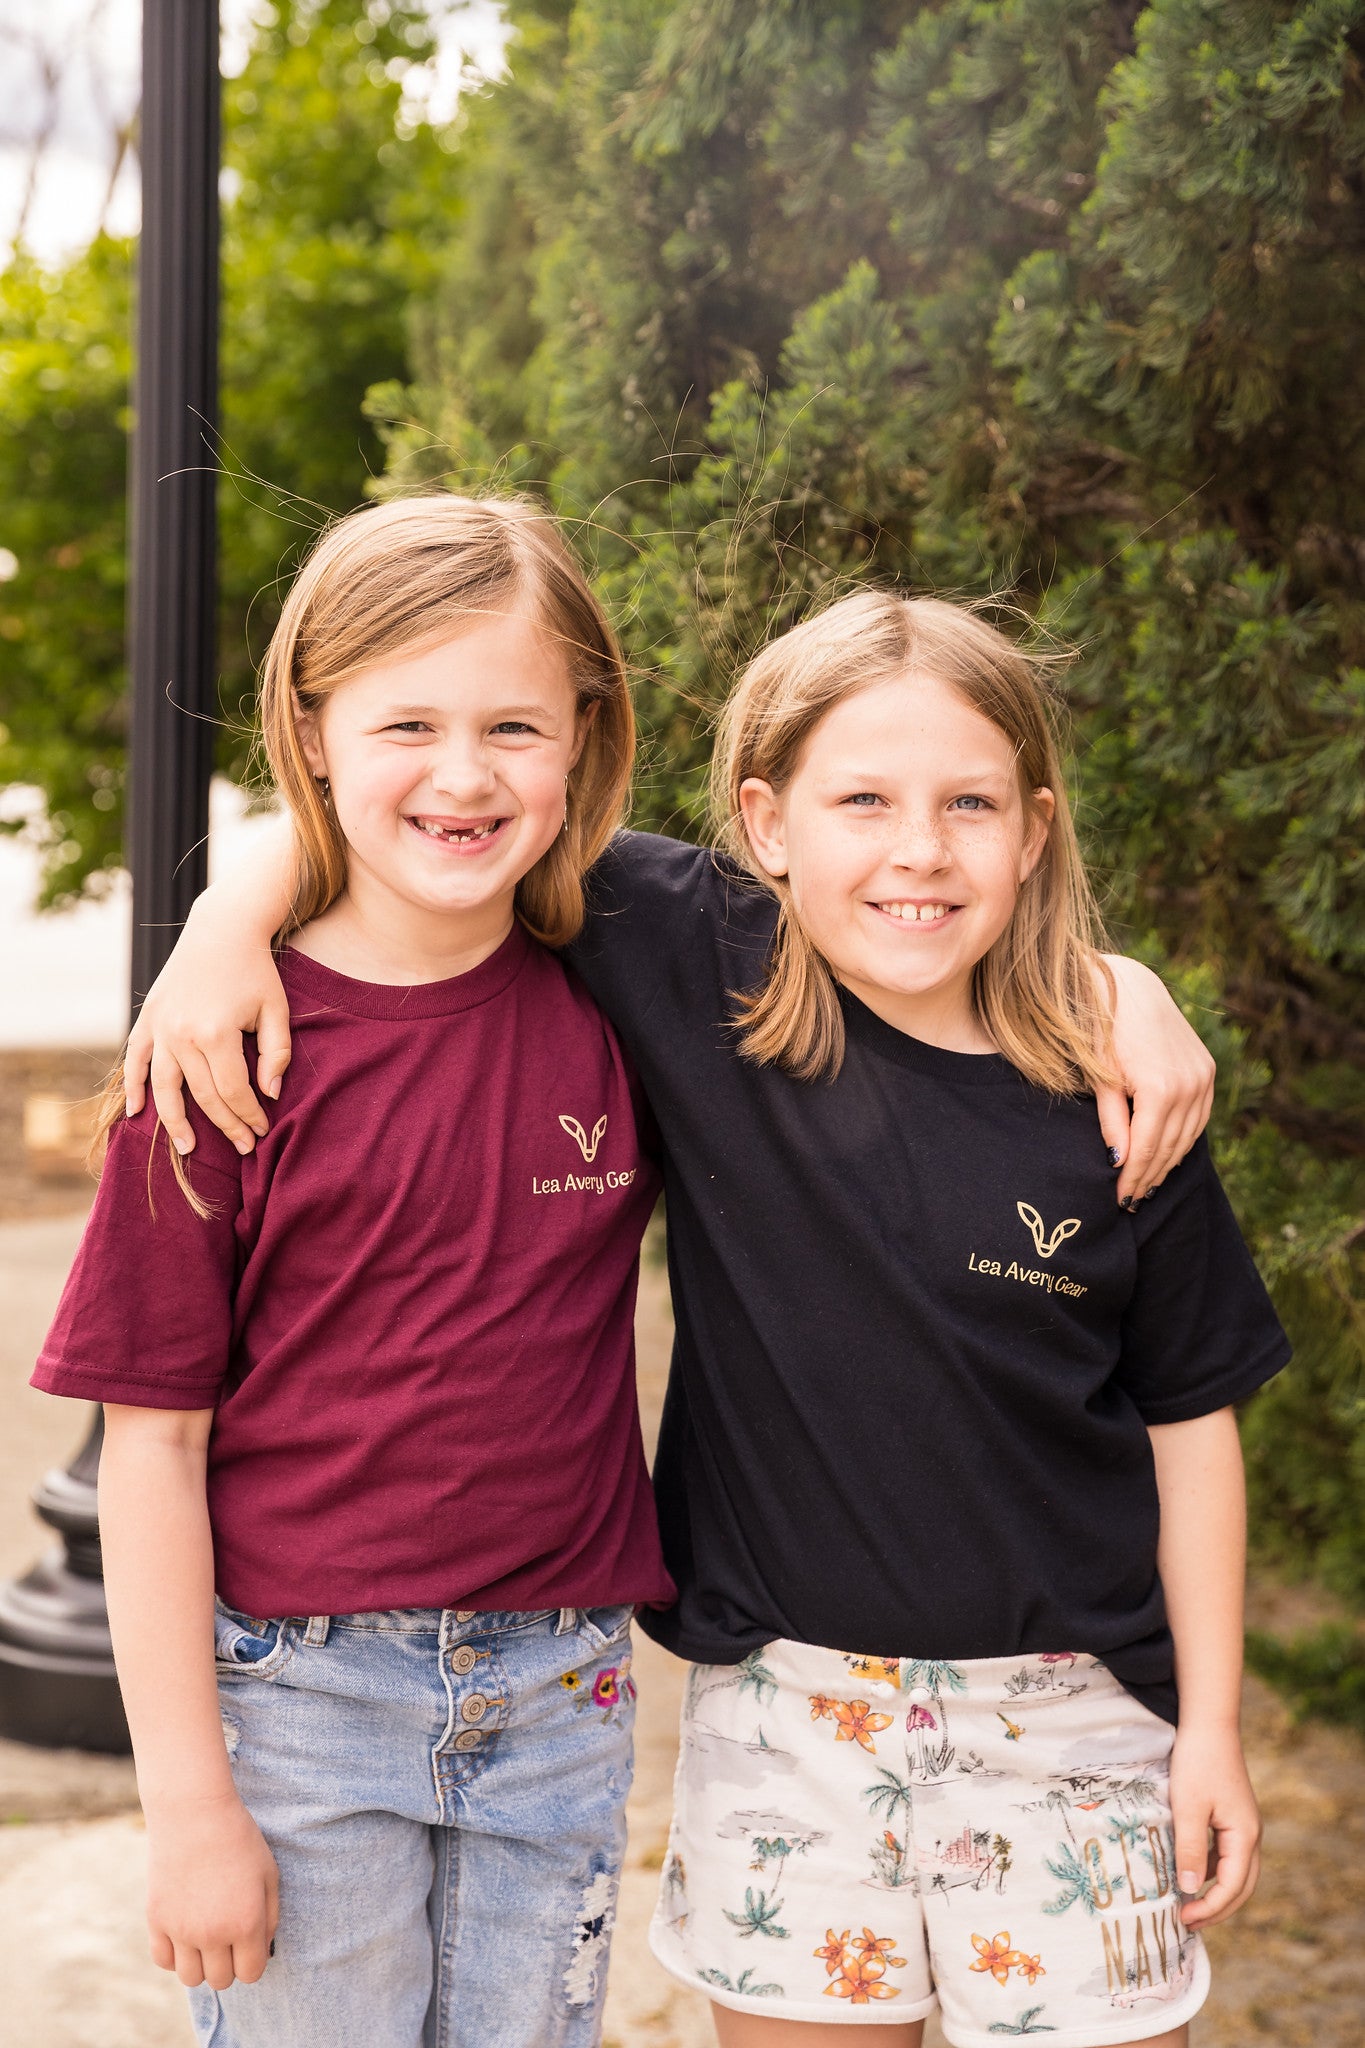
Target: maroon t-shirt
[411,1308]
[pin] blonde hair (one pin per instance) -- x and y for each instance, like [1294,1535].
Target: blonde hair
[1035,991]
[404,576]
[393,580]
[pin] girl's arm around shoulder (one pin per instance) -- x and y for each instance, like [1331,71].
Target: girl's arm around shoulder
[212,1889]
[219,982]
[1202,1561]
[1164,1067]
[657,906]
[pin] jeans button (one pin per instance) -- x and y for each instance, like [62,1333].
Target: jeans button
[465,1613]
[469,1738]
[474,1708]
[464,1659]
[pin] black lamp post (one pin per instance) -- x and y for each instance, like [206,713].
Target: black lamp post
[57,1682]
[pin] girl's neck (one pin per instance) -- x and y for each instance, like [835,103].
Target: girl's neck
[945,1017]
[379,937]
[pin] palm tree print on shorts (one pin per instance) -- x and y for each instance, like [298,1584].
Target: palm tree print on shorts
[1083,1879]
[772,1837]
[934,1674]
[1028,2022]
[750,1675]
[744,1986]
[889,1798]
[930,1678]
[758,1917]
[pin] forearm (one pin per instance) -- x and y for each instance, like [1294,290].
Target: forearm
[252,900]
[1159,1063]
[158,1573]
[1202,1561]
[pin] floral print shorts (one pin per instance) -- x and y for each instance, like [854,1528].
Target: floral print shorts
[862,1839]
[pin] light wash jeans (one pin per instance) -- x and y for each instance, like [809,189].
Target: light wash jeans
[444,1794]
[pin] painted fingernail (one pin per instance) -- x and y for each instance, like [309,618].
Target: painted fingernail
[1115,1156]
[183,1145]
[1150,1192]
[272,1948]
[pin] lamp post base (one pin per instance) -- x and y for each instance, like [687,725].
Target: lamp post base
[58,1688]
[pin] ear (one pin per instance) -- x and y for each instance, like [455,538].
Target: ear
[585,722]
[306,726]
[1042,811]
[765,824]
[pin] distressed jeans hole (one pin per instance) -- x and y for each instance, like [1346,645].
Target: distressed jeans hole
[591,1938]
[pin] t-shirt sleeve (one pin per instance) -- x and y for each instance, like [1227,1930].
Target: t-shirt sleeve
[1200,1331]
[145,1318]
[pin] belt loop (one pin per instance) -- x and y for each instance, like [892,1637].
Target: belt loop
[568,1620]
[318,1629]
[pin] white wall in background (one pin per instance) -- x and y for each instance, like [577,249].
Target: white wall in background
[64,974]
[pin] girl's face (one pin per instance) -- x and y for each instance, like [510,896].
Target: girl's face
[904,840]
[447,768]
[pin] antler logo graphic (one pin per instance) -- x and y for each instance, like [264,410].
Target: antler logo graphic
[586,1145]
[1046,1245]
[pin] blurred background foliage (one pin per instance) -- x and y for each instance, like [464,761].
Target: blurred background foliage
[1053,299]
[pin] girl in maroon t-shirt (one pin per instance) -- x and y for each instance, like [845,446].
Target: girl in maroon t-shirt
[374,1384]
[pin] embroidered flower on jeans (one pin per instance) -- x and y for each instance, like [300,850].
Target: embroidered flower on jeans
[612,1689]
[571,1681]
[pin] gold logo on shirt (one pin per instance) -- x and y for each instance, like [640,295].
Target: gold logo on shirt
[1044,1244]
[588,1145]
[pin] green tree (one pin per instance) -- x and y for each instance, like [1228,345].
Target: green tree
[333,211]
[63,397]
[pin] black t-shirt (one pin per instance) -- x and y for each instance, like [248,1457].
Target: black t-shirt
[918,1342]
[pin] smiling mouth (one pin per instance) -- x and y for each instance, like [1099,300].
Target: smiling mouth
[451,832]
[917,913]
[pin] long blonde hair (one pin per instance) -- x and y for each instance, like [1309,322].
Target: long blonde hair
[393,580]
[1035,991]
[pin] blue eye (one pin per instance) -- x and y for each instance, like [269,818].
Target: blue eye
[513,725]
[863,799]
[977,803]
[407,725]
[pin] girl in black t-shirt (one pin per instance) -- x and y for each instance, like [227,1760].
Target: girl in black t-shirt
[1012,1834]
